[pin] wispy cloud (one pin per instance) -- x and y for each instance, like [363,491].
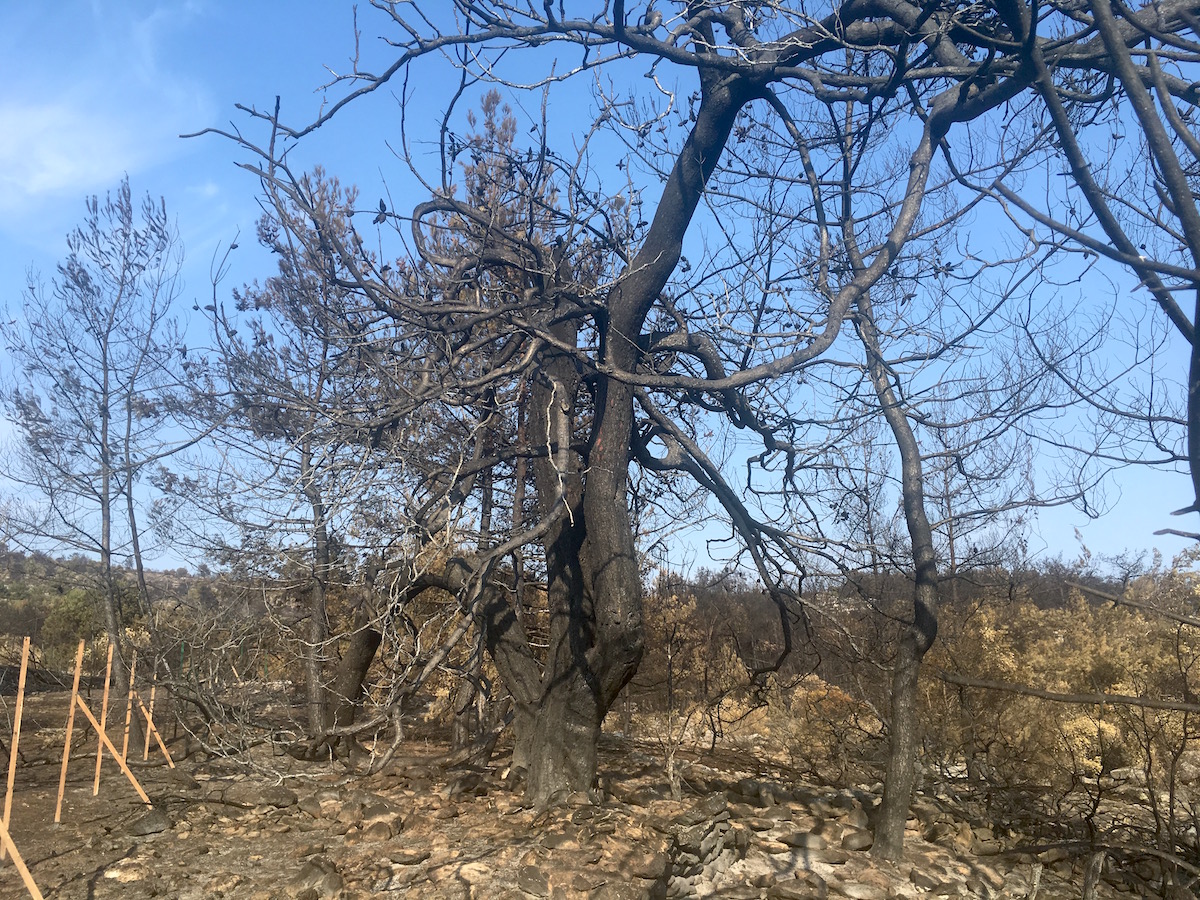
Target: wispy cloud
[109,105]
[59,148]
[207,190]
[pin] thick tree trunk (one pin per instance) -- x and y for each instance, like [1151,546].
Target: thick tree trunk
[563,740]
[593,576]
[351,677]
[562,720]
[469,701]
[561,703]
[525,739]
[556,735]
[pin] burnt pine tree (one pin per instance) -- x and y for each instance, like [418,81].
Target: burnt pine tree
[297,469]
[94,385]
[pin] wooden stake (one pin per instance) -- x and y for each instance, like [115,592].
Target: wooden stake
[150,716]
[129,706]
[152,729]
[7,842]
[113,750]
[103,720]
[62,777]
[16,740]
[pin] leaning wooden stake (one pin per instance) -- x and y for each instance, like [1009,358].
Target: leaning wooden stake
[77,703]
[62,777]
[152,729]
[103,720]
[150,716]
[16,740]
[113,750]
[7,842]
[129,706]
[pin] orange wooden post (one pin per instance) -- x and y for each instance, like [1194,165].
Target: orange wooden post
[62,777]
[113,750]
[16,740]
[129,706]
[150,716]
[7,842]
[152,729]
[103,720]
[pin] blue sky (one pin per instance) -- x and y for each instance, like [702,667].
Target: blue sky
[97,90]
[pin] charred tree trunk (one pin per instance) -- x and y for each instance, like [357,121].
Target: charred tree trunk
[351,676]
[594,580]
[904,729]
[562,721]
[562,741]
[348,684]
[112,603]
[317,637]
[468,701]
[135,542]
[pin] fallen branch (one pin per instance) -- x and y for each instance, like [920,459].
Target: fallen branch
[1124,601]
[1084,699]
[1078,848]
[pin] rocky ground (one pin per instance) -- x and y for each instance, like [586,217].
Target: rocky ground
[418,830]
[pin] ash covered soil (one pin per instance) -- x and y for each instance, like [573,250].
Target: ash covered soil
[279,828]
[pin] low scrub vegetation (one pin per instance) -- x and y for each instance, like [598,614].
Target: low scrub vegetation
[1059,709]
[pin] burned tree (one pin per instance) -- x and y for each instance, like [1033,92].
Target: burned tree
[571,340]
[94,390]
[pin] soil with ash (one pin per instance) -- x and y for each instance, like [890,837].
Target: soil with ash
[285,829]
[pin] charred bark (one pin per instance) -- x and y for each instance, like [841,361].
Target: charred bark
[348,684]
[904,727]
[317,637]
